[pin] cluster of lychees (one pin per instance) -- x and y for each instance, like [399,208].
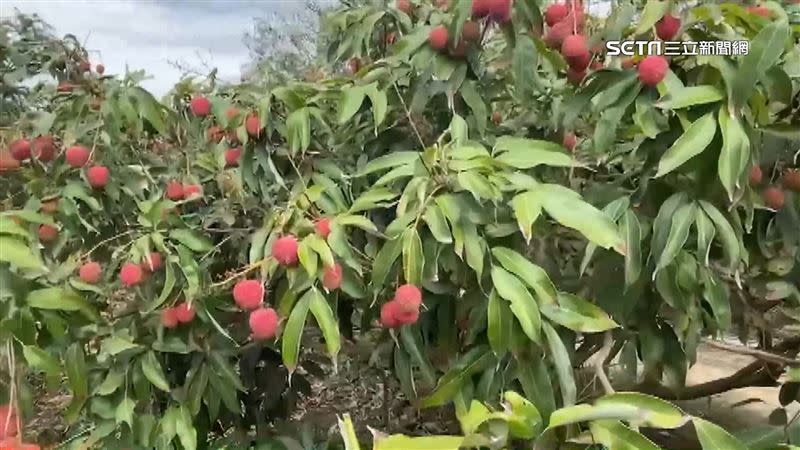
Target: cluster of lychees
[773,195]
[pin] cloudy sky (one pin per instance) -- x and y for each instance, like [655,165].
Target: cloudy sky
[147,34]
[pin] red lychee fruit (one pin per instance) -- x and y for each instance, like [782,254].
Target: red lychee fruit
[756,175]
[185,312]
[480,8]
[554,37]
[459,50]
[131,274]
[232,156]
[579,63]
[407,317]
[574,45]
[84,66]
[471,32]
[774,197]
[404,5]
[231,113]
[555,13]
[44,148]
[332,277]
[791,180]
[175,190]
[353,65]
[90,272]
[64,86]
[390,38]
[575,76]
[215,134]
[192,191]
[263,323]
[77,156]
[48,233]
[389,313]
[284,250]
[323,227]
[570,141]
[408,297]
[497,118]
[169,318]
[652,70]
[253,125]
[8,162]
[248,294]
[97,176]
[668,27]
[438,38]
[20,149]
[200,106]
[499,10]
[100,69]
[8,422]
[762,11]
[152,262]
[596,65]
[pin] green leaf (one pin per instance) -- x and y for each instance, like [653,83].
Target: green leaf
[299,127]
[327,323]
[192,239]
[124,411]
[713,437]
[308,258]
[18,253]
[765,51]
[568,209]
[412,344]
[693,141]
[469,92]
[474,361]
[499,326]
[59,299]
[76,370]
[735,153]
[223,369]
[402,442]
[533,275]
[560,356]
[111,383]
[523,305]
[388,161]
[372,199]
[577,314]
[632,232]
[474,245]
[690,96]
[617,436]
[654,10]
[191,271]
[716,295]
[437,223]
[730,241]
[352,97]
[682,222]
[8,226]
[524,65]
[166,290]
[477,185]
[114,345]
[413,258]
[41,360]
[526,210]
[357,221]
[185,429]
[151,368]
[348,433]
[523,153]
[385,259]
[652,411]
[379,104]
[293,331]
[534,378]
[705,234]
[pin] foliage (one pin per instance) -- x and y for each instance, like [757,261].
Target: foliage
[436,170]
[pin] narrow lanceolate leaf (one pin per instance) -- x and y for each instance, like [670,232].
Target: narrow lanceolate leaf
[526,210]
[578,314]
[678,234]
[475,247]
[523,153]
[499,324]
[705,234]
[654,10]
[614,434]
[566,379]
[437,224]
[690,96]
[388,161]
[651,411]
[413,257]
[412,344]
[19,254]
[716,295]
[308,258]
[632,231]
[348,433]
[352,97]
[735,153]
[614,210]
[192,239]
[293,331]
[714,437]
[41,360]
[523,305]
[693,141]
[474,361]
[726,233]
[321,248]
[568,209]
[765,51]
[327,324]
[151,368]
[76,370]
[533,275]
[385,259]
[402,442]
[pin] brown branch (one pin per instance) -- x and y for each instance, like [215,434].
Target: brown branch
[758,354]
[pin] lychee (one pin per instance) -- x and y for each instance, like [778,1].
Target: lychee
[97,176]
[774,197]
[100,69]
[756,175]
[8,162]
[8,421]
[192,191]
[152,262]
[90,272]
[575,76]
[332,277]
[408,297]
[471,32]
[248,294]
[497,118]
[791,180]
[480,8]
[284,250]
[130,274]
[389,313]
[185,312]
[499,10]
[438,38]
[200,106]
[20,149]
[353,65]
[404,5]
[323,227]
[556,34]
[232,157]
[570,141]
[263,323]
[44,148]
[175,190]
[64,86]
[253,125]
[762,11]
[652,70]
[579,63]
[84,66]
[667,27]
[574,45]
[169,318]
[407,317]
[231,113]
[596,65]
[77,156]
[555,13]
[48,233]
[390,38]
[215,134]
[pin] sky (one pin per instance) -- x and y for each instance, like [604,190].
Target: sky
[147,34]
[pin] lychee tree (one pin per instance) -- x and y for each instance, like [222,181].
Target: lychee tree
[507,202]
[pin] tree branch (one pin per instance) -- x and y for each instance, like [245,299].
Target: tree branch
[759,354]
